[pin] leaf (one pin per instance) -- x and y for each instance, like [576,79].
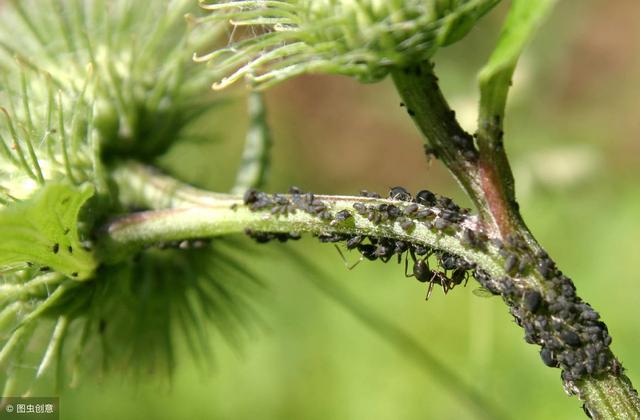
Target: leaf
[43,230]
[495,77]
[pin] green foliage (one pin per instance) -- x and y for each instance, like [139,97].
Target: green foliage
[85,84]
[128,318]
[495,77]
[364,39]
[43,230]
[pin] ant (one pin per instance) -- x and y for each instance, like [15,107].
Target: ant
[423,273]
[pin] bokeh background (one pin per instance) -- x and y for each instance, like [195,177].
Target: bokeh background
[572,132]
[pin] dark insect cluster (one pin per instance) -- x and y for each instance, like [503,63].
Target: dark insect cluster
[440,214]
[279,204]
[568,330]
[183,244]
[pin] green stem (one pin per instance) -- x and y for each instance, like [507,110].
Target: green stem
[426,105]
[610,397]
[490,190]
[197,214]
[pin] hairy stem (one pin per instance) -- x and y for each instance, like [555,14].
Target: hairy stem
[186,213]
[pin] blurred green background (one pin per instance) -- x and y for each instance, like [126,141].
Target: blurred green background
[573,132]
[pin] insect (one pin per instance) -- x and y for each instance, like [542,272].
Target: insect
[399,193]
[424,274]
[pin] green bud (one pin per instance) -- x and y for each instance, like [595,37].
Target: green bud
[360,38]
[83,83]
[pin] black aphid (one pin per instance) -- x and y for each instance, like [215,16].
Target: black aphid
[399,193]
[532,300]
[426,198]
[342,215]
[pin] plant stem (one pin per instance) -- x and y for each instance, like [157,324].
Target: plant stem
[426,105]
[485,175]
[194,213]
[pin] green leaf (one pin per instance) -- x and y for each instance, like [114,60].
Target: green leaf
[495,77]
[43,230]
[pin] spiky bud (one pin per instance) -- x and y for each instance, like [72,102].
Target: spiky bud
[364,39]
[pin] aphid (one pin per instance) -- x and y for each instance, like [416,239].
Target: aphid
[524,264]
[354,241]
[295,190]
[546,268]
[431,153]
[331,237]
[360,208]
[56,248]
[342,215]
[410,209]
[510,264]
[407,225]
[426,198]
[374,217]
[570,338]
[420,249]
[250,196]
[366,193]
[399,193]
[589,315]
[448,262]
[532,300]
[462,142]
[392,211]
[441,224]
[425,214]
[400,247]
[384,252]
[447,203]
[469,238]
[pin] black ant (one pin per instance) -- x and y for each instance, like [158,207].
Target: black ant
[423,273]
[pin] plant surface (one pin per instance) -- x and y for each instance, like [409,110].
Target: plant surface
[105,259]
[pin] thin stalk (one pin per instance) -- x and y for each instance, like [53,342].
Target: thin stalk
[224,214]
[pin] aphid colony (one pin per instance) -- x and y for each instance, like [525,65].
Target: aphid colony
[569,331]
[437,213]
